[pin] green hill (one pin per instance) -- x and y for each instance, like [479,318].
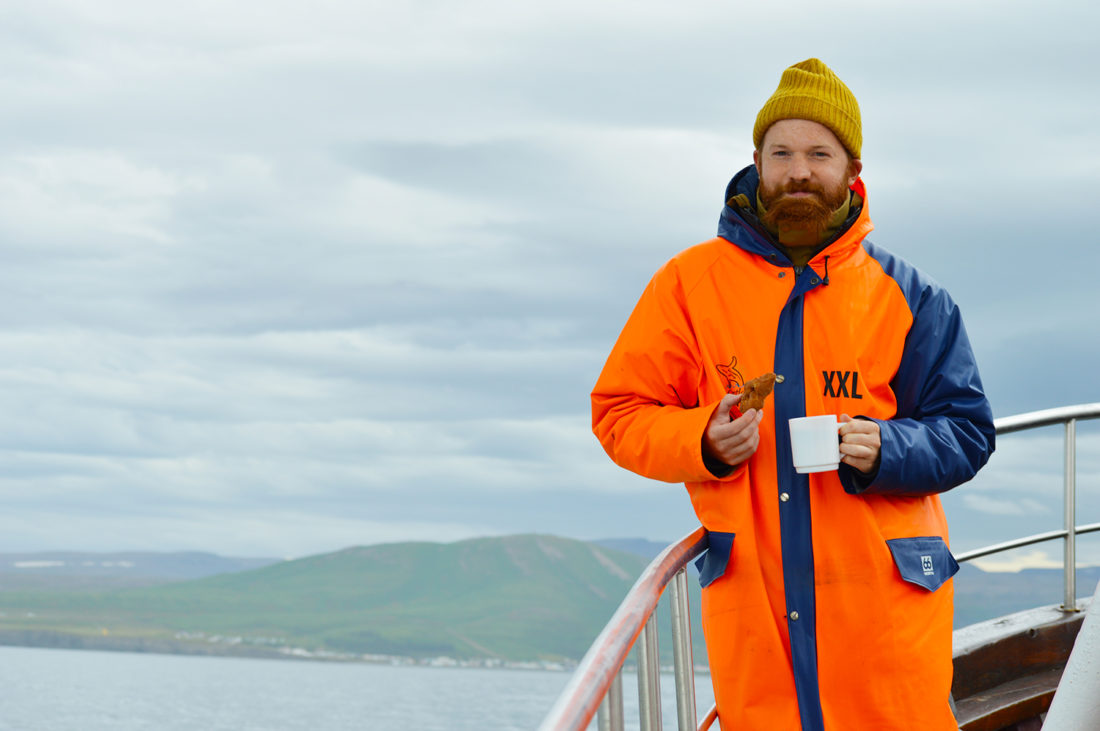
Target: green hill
[514,598]
[525,597]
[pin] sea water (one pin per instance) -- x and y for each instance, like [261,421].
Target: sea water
[82,690]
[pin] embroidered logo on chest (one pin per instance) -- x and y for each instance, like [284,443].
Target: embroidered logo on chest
[735,382]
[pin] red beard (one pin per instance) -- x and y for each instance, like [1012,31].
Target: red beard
[810,214]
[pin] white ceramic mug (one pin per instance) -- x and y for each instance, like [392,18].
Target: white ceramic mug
[815,444]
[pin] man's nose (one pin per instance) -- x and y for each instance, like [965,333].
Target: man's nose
[799,169]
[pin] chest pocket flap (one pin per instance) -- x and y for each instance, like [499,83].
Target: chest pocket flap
[924,561]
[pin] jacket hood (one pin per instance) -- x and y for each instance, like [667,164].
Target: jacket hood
[740,226]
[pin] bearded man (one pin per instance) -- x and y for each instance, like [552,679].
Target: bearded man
[827,600]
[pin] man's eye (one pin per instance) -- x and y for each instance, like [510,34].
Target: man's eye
[781,153]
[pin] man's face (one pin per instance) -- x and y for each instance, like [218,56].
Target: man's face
[804,175]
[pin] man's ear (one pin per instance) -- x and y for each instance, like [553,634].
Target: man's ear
[855,166]
[756,160]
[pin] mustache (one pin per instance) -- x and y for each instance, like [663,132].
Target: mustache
[802,187]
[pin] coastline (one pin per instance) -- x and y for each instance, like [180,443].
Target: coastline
[198,643]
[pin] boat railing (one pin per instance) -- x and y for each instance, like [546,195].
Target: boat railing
[596,685]
[1068,416]
[595,688]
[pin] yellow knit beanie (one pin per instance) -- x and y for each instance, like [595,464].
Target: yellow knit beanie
[810,90]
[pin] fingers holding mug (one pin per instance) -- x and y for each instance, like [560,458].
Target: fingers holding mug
[860,443]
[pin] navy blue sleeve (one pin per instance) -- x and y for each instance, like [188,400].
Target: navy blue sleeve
[943,432]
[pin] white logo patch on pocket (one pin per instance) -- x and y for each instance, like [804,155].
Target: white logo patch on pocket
[926,565]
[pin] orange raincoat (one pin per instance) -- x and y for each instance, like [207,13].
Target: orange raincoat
[827,600]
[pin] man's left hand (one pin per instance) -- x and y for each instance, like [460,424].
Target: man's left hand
[860,443]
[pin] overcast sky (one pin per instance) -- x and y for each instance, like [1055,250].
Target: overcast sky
[282,278]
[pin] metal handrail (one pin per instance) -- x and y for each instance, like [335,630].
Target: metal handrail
[1025,541]
[596,686]
[1046,417]
[601,665]
[1069,416]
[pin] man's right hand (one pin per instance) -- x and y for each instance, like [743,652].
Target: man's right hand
[731,442]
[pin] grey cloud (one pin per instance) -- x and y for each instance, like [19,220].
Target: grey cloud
[509,169]
[286,284]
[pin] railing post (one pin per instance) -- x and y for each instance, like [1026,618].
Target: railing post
[649,678]
[610,715]
[1069,603]
[683,660]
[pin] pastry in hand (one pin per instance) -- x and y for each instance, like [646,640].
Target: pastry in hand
[754,393]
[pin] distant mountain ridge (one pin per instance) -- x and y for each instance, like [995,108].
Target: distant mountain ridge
[981,595]
[75,569]
[643,547]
